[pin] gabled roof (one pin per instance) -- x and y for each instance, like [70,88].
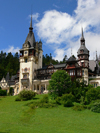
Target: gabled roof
[71,59]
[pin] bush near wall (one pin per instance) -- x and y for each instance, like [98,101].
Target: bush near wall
[26,95]
[3,93]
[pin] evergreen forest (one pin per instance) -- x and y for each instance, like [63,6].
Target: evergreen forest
[10,62]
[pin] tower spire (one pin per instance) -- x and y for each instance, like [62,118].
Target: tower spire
[82,37]
[82,33]
[31,28]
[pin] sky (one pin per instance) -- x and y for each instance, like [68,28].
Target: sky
[58,23]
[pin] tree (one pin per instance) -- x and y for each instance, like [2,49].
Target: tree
[59,84]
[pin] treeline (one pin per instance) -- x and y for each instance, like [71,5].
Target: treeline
[47,59]
[8,63]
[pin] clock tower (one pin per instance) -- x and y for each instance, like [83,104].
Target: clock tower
[30,60]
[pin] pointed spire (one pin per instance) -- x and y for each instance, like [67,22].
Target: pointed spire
[31,28]
[96,56]
[82,37]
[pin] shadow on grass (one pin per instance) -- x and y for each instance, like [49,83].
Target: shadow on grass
[27,115]
[35,98]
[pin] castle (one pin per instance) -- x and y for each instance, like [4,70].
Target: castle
[33,76]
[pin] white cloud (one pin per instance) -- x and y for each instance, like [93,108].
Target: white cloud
[59,54]
[58,28]
[11,49]
[35,16]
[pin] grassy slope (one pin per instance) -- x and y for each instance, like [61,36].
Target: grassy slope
[15,117]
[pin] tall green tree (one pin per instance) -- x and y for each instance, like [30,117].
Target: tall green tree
[59,84]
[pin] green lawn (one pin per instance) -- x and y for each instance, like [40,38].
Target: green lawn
[15,117]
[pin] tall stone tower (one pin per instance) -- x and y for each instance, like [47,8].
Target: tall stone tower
[30,60]
[83,58]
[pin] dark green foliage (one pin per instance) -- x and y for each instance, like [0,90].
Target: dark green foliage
[66,97]
[26,95]
[0,88]
[11,91]
[96,107]
[68,103]
[58,100]
[79,107]
[59,84]
[42,105]
[47,59]
[92,94]
[3,93]
[18,99]
[8,63]
[45,99]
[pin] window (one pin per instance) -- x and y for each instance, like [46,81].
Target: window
[78,72]
[25,60]
[71,72]
[25,76]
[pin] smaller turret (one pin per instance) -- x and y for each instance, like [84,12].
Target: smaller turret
[40,45]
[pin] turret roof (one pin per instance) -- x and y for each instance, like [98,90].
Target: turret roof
[82,49]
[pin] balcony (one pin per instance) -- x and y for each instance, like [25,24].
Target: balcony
[25,81]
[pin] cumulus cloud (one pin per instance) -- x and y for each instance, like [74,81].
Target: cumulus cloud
[11,49]
[62,31]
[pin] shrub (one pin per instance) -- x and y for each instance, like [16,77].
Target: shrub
[58,100]
[45,99]
[79,107]
[26,95]
[42,105]
[11,91]
[96,107]
[17,99]
[68,103]
[91,94]
[3,92]
[66,97]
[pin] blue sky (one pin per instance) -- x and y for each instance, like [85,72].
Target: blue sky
[57,22]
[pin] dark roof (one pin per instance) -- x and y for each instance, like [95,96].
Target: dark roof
[85,50]
[60,65]
[71,59]
[82,47]
[30,39]
[7,77]
[55,66]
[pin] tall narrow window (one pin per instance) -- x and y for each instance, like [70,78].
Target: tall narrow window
[25,60]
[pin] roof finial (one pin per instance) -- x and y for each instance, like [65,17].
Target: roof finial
[82,33]
[82,37]
[31,28]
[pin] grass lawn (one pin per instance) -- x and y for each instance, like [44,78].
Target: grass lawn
[15,117]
